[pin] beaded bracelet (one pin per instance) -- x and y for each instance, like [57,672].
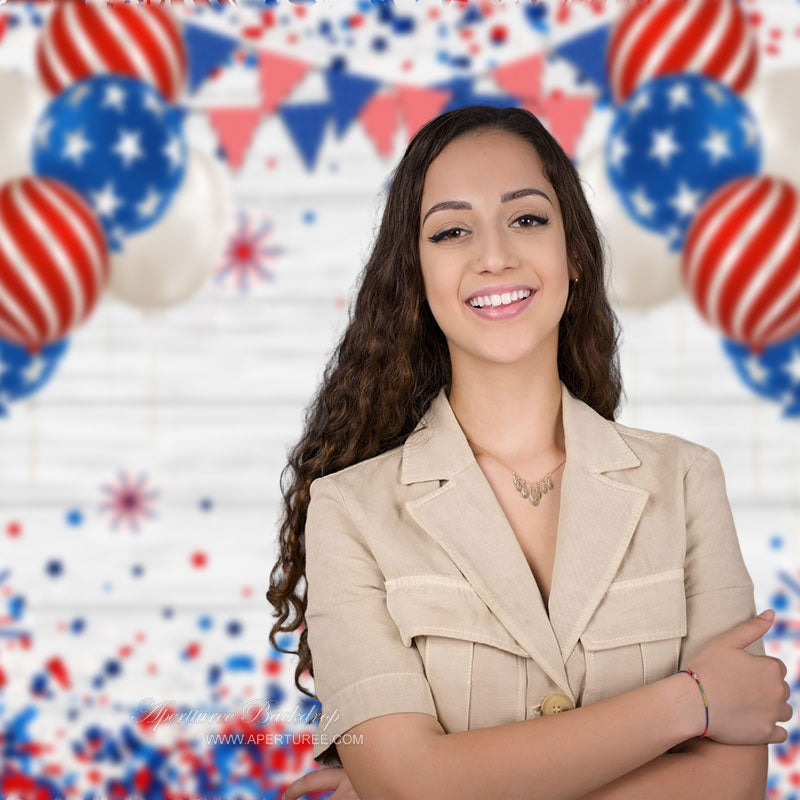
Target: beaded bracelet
[694,675]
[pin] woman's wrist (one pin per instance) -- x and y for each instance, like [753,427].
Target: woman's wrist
[684,697]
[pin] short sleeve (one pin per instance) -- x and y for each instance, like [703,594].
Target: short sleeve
[362,669]
[719,590]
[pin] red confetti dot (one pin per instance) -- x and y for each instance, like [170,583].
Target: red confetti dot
[407,65]
[776,33]
[14,529]
[773,50]
[498,34]
[152,669]
[755,18]
[292,38]
[125,651]
[356,21]
[199,559]
[272,162]
[268,19]
[193,650]
[247,591]
[140,637]
[272,667]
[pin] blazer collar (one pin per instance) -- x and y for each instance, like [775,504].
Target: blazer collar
[597,517]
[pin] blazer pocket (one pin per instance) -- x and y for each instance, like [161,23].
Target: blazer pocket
[634,636]
[475,668]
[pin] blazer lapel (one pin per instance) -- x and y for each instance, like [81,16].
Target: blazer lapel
[597,518]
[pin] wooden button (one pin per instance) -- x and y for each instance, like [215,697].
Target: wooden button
[556,703]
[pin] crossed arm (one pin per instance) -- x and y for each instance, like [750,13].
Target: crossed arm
[699,769]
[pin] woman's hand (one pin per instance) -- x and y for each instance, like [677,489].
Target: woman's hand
[326,779]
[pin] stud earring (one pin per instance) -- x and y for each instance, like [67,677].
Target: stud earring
[574,282]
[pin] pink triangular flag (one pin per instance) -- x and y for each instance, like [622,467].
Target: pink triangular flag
[418,105]
[234,128]
[567,116]
[379,118]
[277,76]
[522,78]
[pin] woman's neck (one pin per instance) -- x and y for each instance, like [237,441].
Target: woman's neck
[520,425]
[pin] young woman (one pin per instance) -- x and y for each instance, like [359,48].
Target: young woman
[483,546]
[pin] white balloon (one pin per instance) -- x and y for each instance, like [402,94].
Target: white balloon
[165,264]
[641,270]
[773,100]
[25,101]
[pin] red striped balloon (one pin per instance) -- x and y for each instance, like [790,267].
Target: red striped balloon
[654,39]
[81,40]
[54,262]
[741,260]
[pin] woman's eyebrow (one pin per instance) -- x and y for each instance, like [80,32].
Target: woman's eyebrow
[461,205]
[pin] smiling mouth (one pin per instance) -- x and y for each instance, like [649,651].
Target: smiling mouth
[500,300]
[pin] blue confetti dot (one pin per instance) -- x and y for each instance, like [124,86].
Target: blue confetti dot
[206,504]
[779,601]
[309,217]
[137,570]
[205,622]
[214,674]
[54,568]
[234,628]
[776,542]
[379,44]
[77,625]
[112,667]
[168,613]
[108,586]
[98,682]
[74,517]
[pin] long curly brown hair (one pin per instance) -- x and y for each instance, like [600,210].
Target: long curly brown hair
[393,358]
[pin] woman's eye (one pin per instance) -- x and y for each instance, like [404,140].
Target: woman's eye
[540,220]
[443,235]
[446,234]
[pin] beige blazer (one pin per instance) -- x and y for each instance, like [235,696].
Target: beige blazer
[420,597]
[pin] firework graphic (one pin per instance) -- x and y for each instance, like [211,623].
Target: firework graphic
[128,501]
[247,254]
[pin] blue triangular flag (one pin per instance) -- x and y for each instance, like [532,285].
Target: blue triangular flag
[587,53]
[306,125]
[206,50]
[348,93]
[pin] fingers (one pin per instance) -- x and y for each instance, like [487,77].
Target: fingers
[320,780]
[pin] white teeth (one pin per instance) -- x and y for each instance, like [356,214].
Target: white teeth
[499,299]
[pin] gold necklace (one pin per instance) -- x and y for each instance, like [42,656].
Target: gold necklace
[530,491]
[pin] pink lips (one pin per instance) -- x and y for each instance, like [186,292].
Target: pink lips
[503,312]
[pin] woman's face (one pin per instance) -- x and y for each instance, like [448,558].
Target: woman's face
[491,239]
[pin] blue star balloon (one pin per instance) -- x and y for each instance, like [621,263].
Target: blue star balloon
[676,140]
[116,140]
[774,373]
[22,374]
